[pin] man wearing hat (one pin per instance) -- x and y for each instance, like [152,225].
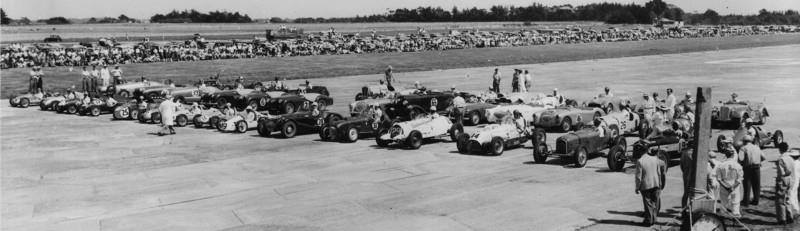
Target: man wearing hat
[751,157]
[687,99]
[748,125]
[389,77]
[607,92]
[117,74]
[733,98]
[515,81]
[729,174]
[459,104]
[650,180]
[783,180]
[649,106]
[167,109]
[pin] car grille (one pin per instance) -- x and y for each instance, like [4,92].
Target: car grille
[475,146]
[395,131]
[724,113]
[561,146]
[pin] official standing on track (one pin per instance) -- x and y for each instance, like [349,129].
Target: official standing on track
[459,104]
[515,81]
[730,175]
[528,81]
[650,180]
[389,77]
[783,182]
[167,109]
[496,77]
[751,157]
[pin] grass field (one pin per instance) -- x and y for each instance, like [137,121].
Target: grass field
[16,80]
[134,32]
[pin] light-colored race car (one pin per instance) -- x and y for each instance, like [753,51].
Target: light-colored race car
[622,122]
[126,90]
[26,100]
[736,112]
[50,103]
[608,103]
[568,118]
[242,121]
[208,116]
[529,112]
[411,133]
[361,107]
[182,115]
[493,138]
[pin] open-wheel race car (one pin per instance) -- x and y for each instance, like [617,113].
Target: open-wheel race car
[185,95]
[475,113]
[241,98]
[733,113]
[761,138]
[126,90]
[411,106]
[242,121]
[208,116]
[351,129]
[291,102]
[98,106]
[493,138]
[51,102]
[412,133]
[667,146]
[624,122]
[303,121]
[568,118]
[26,100]
[529,112]
[608,103]
[578,145]
[183,115]
[70,106]
[131,109]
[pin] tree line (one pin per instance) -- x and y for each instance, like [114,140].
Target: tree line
[193,16]
[764,17]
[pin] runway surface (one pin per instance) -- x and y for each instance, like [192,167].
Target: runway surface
[65,172]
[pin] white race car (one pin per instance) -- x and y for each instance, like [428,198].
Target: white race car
[208,116]
[411,133]
[626,122]
[493,138]
[529,112]
[242,121]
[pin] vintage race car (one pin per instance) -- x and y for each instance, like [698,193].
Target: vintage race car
[241,98]
[304,121]
[492,138]
[126,90]
[290,102]
[70,106]
[209,116]
[51,102]
[608,104]
[182,115]
[350,129]
[529,112]
[475,113]
[361,107]
[624,121]
[761,138]
[411,133]
[578,145]
[185,95]
[26,100]
[98,106]
[129,110]
[243,121]
[410,106]
[667,146]
[567,118]
[372,92]
[735,112]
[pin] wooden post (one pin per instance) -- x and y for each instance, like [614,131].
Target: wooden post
[702,141]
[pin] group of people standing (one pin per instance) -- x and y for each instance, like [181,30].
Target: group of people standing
[521,81]
[97,81]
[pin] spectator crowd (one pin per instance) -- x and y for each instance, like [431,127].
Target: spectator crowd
[332,43]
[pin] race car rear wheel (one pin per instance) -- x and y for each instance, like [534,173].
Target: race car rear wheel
[181,120]
[241,126]
[352,135]
[777,138]
[455,130]
[580,157]
[196,121]
[72,109]
[155,117]
[288,108]
[378,140]
[461,143]
[497,146]
[474,118]
[539,146]
[213,121]
[414,140]
[135,114]
[124,94]
[264,130]
[323,133]
[289,129]
[24,102]
[222,124]
[43,106]
[94,111]
[566,124]
[616,158]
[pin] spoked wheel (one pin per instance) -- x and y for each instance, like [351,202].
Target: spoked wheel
[181,121]
[474,118]
[289,129]
[241,126]
[352,135]
[156,117]
[72,109]
[616,158]
[497,146]
[566,124]
[581,157]
[95,111]
[196,121]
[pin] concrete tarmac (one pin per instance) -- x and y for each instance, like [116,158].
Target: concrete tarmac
[66,172]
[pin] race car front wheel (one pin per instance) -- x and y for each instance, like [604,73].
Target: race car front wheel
[616,158]
[196,121]
[461,143]
[24,102]
[414,140]
[497,146]
[580,157]
[289,129]
[241,126]
[379,141]
[352,135]
[181,120]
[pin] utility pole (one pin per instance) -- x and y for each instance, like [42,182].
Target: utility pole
[702,144]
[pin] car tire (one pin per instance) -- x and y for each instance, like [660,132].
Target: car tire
[253,104]
[263,130]
[222,124]
[359,96]
[381,142]
[497,146]
[539,146]
[181,120]
[288,108]
[777,138]
[155,118]
[11,101]
[43,106]
[72,109]
[351,135]
[720,145]
[124,94]
[323,133]
[616,158]
[123,113]
[289,129]
[461,143]
[474,118]
[94,111]
[580,157]
[322,105]
[196,121]
[454,131]
[566,124]
[24,102]
[212,122]
[414,140]
[241,126]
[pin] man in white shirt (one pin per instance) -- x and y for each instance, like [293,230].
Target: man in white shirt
[670,102]
[105,78]
[117,74]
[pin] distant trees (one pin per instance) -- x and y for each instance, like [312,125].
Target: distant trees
[121,19]
[276,20]
[4,19]
[55,21]
[764,17]
[193,16]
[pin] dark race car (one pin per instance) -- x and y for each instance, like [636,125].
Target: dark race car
[578,145]
[98,106]
[351,129]
[475,113]
[296,101]
[761,138]
[408,107]
[303,121]
[70,106]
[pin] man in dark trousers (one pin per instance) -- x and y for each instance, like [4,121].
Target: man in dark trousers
[783,182]
[650,180]
[751,156]
[496,81]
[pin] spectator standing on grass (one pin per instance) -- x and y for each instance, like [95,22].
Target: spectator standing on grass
[528,81]
[730,175]
[784,167]
[105,77]
[751,157]
[650,180]
[35,81]
[86,80]
[496,77]
[117,74]
[515,81]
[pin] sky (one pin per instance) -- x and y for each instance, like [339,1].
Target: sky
[143,9]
